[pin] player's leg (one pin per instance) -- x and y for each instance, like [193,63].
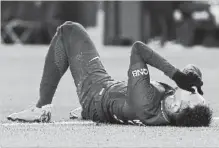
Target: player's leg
[56,64]
[70,46]
[84,63]
[83,58]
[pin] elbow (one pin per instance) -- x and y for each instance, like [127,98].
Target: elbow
[136,46]
[142,49]
[138,43]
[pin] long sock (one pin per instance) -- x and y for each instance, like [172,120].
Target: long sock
[56,64]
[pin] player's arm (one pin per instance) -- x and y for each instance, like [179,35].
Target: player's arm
[149,56]
[141,93]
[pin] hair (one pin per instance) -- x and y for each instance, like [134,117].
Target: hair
[198,116]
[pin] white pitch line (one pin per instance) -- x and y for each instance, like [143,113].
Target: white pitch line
[51,123]
[59,123]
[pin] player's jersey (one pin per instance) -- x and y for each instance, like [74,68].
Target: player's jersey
[107,102]
[140,100]
[117,110]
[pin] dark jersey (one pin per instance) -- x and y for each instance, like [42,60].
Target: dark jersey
[109,102]
[139,101]
[116,108]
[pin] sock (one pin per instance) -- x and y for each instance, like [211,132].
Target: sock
[56,64]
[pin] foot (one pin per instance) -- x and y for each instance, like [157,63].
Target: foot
[76,113]
[32,114]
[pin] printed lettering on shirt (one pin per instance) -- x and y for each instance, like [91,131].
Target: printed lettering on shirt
[138,122]
[135,122]
[138,72]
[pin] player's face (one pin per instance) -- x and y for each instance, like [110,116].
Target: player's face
[181,99]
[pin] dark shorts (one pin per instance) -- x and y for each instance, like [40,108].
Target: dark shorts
[91,89]
[100,99]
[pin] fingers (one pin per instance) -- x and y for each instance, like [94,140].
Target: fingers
[200,90]
[198,82]
[195,79]
[192,90]
[187,81]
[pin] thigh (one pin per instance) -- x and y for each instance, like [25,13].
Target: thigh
[77,42]
[82,54]
[91,101]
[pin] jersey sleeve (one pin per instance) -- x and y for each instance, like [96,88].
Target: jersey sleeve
[141,93]
[152,58]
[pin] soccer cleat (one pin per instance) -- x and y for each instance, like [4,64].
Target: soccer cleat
[32,114]
[76,113]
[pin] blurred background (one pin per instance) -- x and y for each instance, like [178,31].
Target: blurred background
[187,23]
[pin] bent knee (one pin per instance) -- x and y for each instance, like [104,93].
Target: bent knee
[69,25]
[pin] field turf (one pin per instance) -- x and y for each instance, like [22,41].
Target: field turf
[20,73]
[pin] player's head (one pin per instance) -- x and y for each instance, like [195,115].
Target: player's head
[186,109]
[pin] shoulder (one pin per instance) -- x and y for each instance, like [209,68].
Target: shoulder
[165,86]
[161,88]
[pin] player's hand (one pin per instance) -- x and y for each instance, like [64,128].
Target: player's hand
[199,89]
[187,81]
[198,83]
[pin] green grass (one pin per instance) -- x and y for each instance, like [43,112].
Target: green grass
[20,73]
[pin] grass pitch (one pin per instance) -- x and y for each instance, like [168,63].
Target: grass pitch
[20,73]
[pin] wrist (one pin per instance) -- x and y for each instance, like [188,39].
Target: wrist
[175,74]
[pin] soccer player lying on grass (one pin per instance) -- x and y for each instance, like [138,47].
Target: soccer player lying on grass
[103,99]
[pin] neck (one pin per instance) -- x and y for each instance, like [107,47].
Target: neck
[164,112]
